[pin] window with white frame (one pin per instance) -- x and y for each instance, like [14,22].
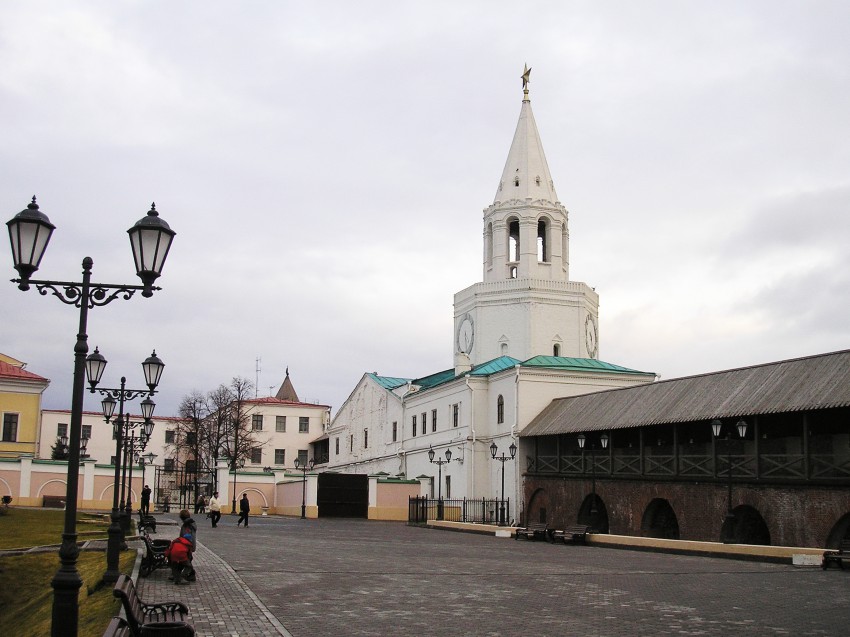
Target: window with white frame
[61,429]
[500,409]
[169,436]
[424,422]
[302,457]
[455,414]
[280,456]
[304,424]
[414,426]
[336,445]
[257,455]
[86,432]
[257,422]
[280,424]
[395,430]
[365,438]
[433,420]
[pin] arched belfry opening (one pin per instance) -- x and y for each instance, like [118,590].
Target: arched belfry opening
[513,240]
[543,255]
[488,247]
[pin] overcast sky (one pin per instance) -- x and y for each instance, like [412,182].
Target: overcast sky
[325,166]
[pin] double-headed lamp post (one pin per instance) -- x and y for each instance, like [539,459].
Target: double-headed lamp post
[303,466]
[503,458]
[716,429]
[235,462]
[152,368]
[29,233]
[581,441]
[439,462]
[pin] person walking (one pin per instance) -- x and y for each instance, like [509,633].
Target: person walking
[200,504]
[215,509]
[244,510]
[145,505]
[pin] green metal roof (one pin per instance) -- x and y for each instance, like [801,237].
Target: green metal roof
[507,362]
[578,364]
[496,365]
[388,382]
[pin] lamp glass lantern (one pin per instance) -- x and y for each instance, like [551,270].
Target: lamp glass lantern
[148,428]
[512,449]
[63,440]
[147,406]
[493,449]
[742,428]
[108,406]
[604,440]
[152,367]
[431,454]
[95,366]
[150,239]
[29,233]
[581,440]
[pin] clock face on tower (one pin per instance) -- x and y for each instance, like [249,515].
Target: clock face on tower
[590,336]
[465,334]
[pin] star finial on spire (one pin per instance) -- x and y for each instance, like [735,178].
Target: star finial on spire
[526,78]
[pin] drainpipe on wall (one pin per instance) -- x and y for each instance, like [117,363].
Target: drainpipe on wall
[514,432]
[472,429]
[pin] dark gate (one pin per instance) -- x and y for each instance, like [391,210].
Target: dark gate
[179,489]
[343,495]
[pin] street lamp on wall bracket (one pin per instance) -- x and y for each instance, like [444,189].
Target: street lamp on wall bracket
[29,233]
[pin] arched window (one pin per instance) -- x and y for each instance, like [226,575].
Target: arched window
[500,410]
[489,246]
[513,240]
[542,241]
[556,350]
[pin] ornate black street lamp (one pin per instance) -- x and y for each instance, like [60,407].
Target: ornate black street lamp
[152,368]
[29,233]
[439,462]
[493,450]
[581,441]
[303,467]
[716,428]
[235,462]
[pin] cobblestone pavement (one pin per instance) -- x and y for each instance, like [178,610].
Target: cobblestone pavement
[353,577]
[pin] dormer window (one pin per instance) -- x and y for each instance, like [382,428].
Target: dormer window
[516,181]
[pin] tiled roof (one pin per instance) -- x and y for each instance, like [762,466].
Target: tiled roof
[18,373]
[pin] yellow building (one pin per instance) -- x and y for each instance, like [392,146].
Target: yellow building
[20,408]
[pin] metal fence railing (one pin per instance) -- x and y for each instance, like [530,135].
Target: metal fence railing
[482,510]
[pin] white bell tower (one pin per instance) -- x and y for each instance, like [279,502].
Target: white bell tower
[526,306]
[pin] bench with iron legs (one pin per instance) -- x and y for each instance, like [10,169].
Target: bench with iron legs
[843,553]
[533,532]
[154,557]
[141,614]
[575,534]
[146,522]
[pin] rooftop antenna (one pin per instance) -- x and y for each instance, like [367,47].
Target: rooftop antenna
[271,387]
[257,376]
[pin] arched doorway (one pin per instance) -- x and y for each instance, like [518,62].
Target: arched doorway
[593,513]
[839,532]
[659,520]
[537,509]
[745,527]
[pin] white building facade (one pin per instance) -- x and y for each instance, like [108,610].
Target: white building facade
[523,336]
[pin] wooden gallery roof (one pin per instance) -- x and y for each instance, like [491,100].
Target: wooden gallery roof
[813,382]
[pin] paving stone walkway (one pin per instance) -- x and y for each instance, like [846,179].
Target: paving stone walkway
[220,604]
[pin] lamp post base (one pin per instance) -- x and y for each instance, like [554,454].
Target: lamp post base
[113,547]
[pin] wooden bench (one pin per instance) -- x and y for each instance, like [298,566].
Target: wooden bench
[843,553]
[533,531]
[118,628]
[146,522]
[575,534]
[53,501]
[154,555]
[168,629]
[140,614]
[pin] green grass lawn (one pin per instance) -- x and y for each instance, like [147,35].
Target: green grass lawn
[26,597]
[20,528]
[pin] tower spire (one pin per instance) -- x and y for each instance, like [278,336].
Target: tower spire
[526,78]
